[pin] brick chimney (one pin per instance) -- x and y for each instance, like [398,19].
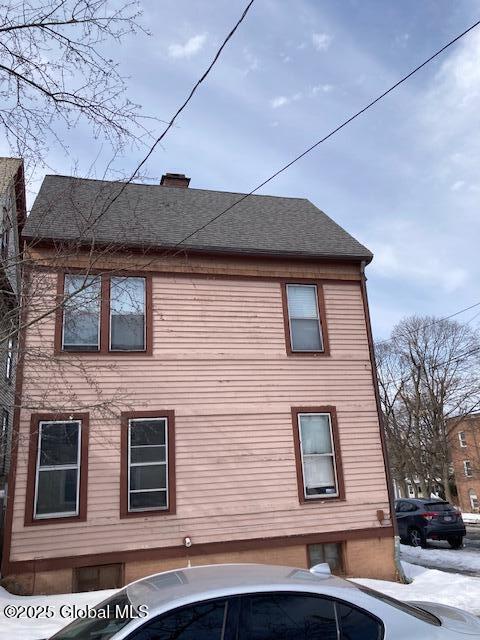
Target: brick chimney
[175,180]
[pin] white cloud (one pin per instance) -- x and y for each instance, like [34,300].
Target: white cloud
[279,101]
[321,41]
[190,48]
[456,186]
[321,88]
[251,60]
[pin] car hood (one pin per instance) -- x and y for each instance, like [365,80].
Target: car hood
[452,618]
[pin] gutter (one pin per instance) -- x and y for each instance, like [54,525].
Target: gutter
[398,565]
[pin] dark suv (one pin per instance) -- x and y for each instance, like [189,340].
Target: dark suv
[419,519]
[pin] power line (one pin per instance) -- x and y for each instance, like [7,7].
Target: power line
[329,135]
[179,110]
[431,324]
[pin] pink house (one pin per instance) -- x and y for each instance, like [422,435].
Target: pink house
[191,396]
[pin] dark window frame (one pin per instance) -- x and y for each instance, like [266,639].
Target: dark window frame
[322,318]
[104,329]
[295,411]
[9,359]
[35,420]
[126,416]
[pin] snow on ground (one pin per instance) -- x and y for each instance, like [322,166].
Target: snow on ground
[12,628]
[430,585]
[461,559]
[471,518]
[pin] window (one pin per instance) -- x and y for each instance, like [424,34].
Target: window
[462,439]
[5,238]
[356,624]
[81,313]
[127,314]
[329,552]
[103,313]
[4,441]
[285,616]
[303,305]
[467,468]
[474,504]
[9,360]
[57,473]
[107,576]
[148,450]
[317,454]
[202,621]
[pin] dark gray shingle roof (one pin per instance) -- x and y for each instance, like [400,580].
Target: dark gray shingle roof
[143,215]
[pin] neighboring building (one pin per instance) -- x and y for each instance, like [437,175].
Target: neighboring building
[464,437]
[12,208]
[208,401]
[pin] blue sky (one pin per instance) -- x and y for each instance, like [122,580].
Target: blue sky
[404,178]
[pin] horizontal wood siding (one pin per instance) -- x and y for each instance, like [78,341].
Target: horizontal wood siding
[219,361]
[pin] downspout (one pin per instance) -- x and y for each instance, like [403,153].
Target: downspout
[398,565]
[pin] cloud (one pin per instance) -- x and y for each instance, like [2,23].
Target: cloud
[321,41]
[251,60]
[281,101]
[190,48]
[456,186]
[321,88]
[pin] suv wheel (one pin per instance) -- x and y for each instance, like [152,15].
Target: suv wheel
[456,542]
[416,538]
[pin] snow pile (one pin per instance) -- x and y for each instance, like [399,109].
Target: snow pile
[36,629]
[471,518]
[430,585]
[462,559]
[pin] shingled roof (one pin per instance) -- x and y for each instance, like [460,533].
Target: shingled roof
[147,216]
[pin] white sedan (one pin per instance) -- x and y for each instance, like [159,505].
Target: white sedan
[263,602]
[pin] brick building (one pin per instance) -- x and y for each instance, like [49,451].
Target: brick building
[465,457]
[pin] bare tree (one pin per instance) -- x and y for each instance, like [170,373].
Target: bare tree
[428,375]
[54,72]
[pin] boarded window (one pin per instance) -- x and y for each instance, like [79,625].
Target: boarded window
[106,576]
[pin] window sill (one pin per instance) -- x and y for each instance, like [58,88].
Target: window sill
[56,520]
[147,514]
[322,500]
[83,352]
[311,354]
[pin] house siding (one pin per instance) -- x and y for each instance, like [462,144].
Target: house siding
[219,361]
[471,427]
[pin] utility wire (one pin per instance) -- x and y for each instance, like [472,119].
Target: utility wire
[329,135]
[180,109]
[431,324]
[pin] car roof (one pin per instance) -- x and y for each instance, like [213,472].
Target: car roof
[423,500]
[182,586]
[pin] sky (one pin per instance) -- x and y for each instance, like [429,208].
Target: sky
[403,178]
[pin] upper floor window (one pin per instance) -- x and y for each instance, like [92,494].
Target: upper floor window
[56,486]
[318,459]
[467,468]
[81,313]
[462,439]
[105,313]
[304,333]
[127,314]
[5,234]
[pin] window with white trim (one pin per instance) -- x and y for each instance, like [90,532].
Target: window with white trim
[57,481]
[304,318]
[318,455]
[81,313]
[148,464]
[127,314]
[467,468]
[462,439]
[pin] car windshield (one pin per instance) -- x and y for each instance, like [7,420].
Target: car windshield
[439,506]
[416,612]
[111,615]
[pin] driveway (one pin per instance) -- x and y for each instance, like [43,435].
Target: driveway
[438,555]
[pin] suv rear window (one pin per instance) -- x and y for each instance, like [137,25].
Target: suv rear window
[439,506]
